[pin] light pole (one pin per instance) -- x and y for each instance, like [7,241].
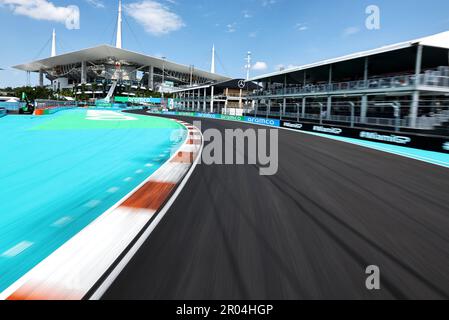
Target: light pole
[248,65]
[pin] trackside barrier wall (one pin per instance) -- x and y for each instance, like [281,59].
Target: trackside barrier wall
[416,141]
[11,106]
[437,144]
[117,107]
[47,111]
[2,112]
[254,120]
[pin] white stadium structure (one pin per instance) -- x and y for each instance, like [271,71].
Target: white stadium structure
[101,69]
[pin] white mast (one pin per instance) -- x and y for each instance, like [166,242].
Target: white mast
[212,67]
[53,44]
[248,65]
[118,43]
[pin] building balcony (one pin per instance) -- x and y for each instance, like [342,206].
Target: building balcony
[396,83]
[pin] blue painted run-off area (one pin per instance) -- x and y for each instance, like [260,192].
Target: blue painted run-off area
[60,172]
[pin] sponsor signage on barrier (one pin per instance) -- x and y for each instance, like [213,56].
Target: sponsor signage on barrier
[296,126]
[231,118]
[207,115]
[141,100]
[403,139]
[263,121]
[406,140]
[446,146]
[312,127]
[131,99]
[322,129]
[385,138]
[186,114]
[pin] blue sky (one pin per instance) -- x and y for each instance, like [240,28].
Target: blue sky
[277,32]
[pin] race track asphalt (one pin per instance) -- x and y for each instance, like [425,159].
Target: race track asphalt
[308,232]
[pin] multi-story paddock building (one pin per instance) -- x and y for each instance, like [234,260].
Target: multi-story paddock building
[405,85]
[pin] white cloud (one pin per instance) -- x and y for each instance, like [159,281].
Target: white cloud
[267,3]
[247,15]
[260,66]
[350,31]
[156,18]
[45,10]
[96,3]
[232,27]
[301,27]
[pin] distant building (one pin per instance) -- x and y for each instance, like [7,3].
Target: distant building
[226,97]
[103,70]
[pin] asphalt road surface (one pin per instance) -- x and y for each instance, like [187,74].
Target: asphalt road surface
[309,232]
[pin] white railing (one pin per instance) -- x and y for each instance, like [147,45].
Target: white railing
[235,112]
[371,84]
[424,123]
[50,104]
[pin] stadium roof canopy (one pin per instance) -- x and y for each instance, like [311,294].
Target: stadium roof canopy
[104,51]
[440,40]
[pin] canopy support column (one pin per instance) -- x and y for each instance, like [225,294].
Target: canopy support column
[204,100]
[83,72]
[212,99]
[304,107]
[413,115]
[151,78]
[41,78]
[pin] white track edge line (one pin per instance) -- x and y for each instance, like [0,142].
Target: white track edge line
[130,254]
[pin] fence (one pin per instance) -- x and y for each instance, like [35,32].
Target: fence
[423,123]
[46,107]
[379,113]
[51,104]
[235,112]
[11,106]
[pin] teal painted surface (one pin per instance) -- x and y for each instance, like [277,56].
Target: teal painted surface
[54,182]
